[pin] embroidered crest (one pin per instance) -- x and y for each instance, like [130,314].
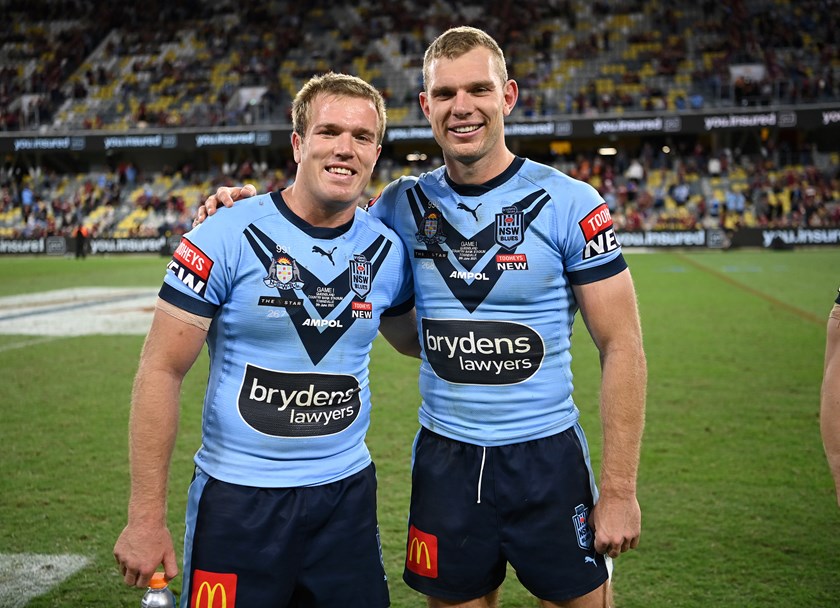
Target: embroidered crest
[360,275]
[510,228]
[431,227]
[283,272]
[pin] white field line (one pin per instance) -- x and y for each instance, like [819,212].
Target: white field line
[24,576]
[78,311]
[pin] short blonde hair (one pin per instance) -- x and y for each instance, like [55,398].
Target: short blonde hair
[457,41]
[342,85]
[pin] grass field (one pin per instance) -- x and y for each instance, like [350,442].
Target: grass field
[737,501]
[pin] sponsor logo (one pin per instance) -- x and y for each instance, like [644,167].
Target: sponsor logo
[510,227]
[472,211]
[597,228]
[284,272]
[284,404]
[511,261]
[431,255]
[421,555]
[481,352]
[279,302]
[192,266]
[361,310]
[325,253]
[213,590]
[582,529]
[431,227]
[360,275]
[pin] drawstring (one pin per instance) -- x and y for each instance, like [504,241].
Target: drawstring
[481,472]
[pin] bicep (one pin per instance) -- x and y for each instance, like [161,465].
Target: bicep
[610,310]
[172,344]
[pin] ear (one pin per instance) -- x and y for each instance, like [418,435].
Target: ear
[424,103]
[297,142]
[511,94]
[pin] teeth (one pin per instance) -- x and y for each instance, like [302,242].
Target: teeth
[340,170]
[466,129]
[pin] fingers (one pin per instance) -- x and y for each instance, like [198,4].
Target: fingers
[247,191]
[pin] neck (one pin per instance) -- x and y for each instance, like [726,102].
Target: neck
[480,171]
[317,213]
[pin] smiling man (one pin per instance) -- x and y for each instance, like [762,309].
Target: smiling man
[505,251]
[282,508]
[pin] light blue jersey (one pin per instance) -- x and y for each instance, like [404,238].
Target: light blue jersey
[294,312]
[493,269]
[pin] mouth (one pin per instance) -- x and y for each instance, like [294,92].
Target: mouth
[341,171]
[465,129]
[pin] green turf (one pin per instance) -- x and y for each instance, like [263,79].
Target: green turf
[737,502]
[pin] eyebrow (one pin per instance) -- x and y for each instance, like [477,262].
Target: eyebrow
[487,84]
[337,127]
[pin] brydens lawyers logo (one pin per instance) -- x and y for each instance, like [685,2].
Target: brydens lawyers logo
[422,555]
[213,590]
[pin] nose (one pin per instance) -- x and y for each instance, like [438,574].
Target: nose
[462,104]
[344,144]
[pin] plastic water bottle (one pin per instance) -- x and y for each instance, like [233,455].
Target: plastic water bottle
[158,595]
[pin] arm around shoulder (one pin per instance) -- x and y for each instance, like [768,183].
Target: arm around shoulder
[401,333]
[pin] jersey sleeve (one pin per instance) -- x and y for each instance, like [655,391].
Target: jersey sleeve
[587,236]
[200,273]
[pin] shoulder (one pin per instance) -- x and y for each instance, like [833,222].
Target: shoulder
[232,220]
[559,184]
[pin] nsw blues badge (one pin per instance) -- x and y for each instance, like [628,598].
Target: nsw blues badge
[582,529]
[510,228]
[360,275]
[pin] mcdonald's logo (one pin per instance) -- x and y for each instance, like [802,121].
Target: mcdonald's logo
[422,553]
[213,590]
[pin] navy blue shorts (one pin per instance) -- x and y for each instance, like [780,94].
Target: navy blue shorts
[284,547]
[474,509]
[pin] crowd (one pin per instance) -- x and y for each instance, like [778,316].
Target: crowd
[652,191]
[80,64]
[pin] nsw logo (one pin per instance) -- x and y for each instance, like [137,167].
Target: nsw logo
[510,227]
[582,529]
[360,272]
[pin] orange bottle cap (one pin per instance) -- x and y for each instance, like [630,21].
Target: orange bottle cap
[158,580]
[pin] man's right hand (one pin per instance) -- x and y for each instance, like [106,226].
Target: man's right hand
[140,550]
[225,196]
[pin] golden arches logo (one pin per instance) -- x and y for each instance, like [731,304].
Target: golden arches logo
[210,594]
[421,547]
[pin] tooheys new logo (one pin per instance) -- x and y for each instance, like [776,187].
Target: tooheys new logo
[298,405]
[598,231]
[192,266]
[482,352]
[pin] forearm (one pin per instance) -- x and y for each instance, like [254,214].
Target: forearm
[623,394]
[153,428]
[830,398]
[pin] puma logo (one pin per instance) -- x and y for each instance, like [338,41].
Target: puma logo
[328,254]
[472,211]
[590,560]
